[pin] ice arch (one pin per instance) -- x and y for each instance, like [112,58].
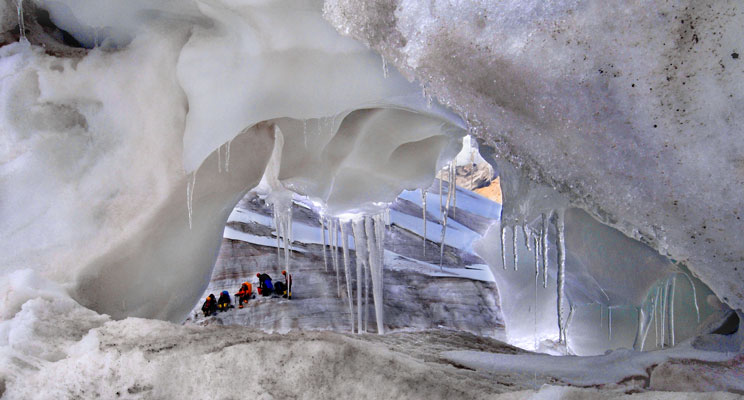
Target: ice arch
[179,105]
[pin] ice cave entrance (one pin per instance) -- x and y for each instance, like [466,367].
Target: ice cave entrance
[486,279]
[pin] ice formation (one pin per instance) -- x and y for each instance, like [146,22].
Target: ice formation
[112,232]
[632,110]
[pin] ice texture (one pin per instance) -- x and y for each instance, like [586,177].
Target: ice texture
[632,109]
[128,141]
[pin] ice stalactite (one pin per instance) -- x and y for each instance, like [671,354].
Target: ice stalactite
[663,313]
[384,68]
[360,245]
[503,244]
[376,267]
[527,232]
[325,243]
[453,187]
[544,250]
[190,196]
[283,225]
[694,295]
[333,233]
[423,216]
[672,286]
[21,22]
[537,259]
[441,205]
[445,216]
[347,273]
[227,157]
[514,247]
[277,227]
[561,275]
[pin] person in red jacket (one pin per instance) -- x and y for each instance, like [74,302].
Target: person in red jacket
[287,285]
[244,294]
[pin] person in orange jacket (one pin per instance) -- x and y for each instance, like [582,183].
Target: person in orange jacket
[244,294]
[210,306]
[287,285]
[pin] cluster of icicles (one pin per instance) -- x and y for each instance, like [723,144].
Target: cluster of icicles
[656,311]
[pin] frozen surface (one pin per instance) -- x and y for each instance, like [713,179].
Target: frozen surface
[632,109]
[136,193]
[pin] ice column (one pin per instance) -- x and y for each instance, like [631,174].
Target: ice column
[544,250]
[376,267]
[333,233]
[514,247]
[347,273]
[503,244]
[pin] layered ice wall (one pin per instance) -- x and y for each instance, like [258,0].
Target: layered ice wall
[120,161]
[632,109]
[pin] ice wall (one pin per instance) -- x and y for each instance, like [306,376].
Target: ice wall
[633,109]
[119,165]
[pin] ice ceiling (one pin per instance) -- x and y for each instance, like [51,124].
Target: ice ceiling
[119,165]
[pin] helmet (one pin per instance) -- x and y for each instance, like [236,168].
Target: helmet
[258,274]
[284,272]
[225,292]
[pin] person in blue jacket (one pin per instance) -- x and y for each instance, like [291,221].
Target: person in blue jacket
[267,288]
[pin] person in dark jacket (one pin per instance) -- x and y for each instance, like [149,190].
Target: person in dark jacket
[287,285]
[265,284]
[210,305]
[224,303]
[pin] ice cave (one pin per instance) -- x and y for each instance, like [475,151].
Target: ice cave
[513,199]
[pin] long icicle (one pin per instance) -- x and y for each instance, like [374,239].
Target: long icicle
[609,324]
[360,245]
[694,295]
[375,270]
[440,195]
[325,244]
[664,292]
[227,157]
[503,244]
[423,208]
[671,308]
[445,216]
[657,318]
[347,273]
[287,235]
[21,22]
[190,196]
[277,227]
[545,249]
[561,276]
[335,257]
[514,247]
[453,187]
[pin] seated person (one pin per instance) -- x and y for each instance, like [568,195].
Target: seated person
[265,284]
[244,293]
[210,305]
[224,303]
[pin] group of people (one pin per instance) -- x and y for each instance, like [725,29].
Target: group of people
[266,288]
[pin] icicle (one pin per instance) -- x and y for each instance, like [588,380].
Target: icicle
[672,287]
[503,245]
[537,259]
[384,68]
[601,317]
[360,244]
[345,244]
[21,23]
[287,234]
[334,254]
[453,188]
[656,316]
[527,232]
[277,226]
[561,275]
[376,267]
[664,293]
[423,208]
[325,244]
[694,295]
[514,247]
[444,225]
[440,195]
[609,325]
[219,159]
[227,157]
[190,196]
[545,249]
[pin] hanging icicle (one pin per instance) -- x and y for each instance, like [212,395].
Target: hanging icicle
[325,244]
[227,157]
[672,287]
[21,22]
[384,68]
[360,245]
[503,245]
[347,273]
[561,275]
[453,188]
[190,196]
[376,268]
[277,227]
[445,216]
[334,254]
[423,210]
[514,247]
[545,249]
